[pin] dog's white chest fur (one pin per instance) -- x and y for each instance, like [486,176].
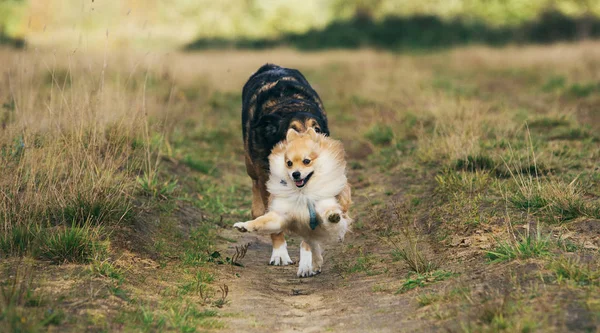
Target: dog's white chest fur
[288,200]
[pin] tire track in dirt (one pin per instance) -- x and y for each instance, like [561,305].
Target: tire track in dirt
[267,298]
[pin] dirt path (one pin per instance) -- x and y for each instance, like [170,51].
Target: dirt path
[272,299]
[264,298]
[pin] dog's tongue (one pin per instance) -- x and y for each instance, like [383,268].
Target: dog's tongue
[299,182]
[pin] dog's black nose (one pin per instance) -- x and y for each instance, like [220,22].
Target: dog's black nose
[296,175]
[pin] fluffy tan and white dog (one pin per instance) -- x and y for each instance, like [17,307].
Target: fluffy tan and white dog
[310,195]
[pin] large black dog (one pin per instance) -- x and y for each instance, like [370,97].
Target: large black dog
[275,99]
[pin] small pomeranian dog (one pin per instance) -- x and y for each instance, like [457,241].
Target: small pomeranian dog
[307,180]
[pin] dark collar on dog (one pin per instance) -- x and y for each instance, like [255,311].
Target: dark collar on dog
[312,214]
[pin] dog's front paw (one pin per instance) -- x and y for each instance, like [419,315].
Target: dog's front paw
[240,226]
[333,217]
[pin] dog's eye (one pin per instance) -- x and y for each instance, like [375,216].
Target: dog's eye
[318,130]
[289,163]
[306,161]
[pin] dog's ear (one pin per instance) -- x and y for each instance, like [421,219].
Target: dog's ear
[291,135]
[268,126]
[313,134]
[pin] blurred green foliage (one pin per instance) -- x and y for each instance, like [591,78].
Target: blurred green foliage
[423,32]
[305,24]
[11,15]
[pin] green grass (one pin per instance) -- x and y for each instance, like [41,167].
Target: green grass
[151,186]
[414,259]
[451,182]
[567,245]
[549,122]
[229,101]
[582,274]
[363,263]
[70,244]
[186,318]
[554,83]
[118,291]
[427,299]
[95,209]
[107,269]
[23,309]
[149,321]
[555,202]
[582,90]
[504,315]
[474,163]
[78,244]
[197,247]
[197,164]
[524,247]
[421,280]
[18,240]
[567,133]
[198,286]
[528,201]
[380,134]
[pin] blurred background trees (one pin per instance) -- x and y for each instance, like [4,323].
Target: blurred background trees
[167,24]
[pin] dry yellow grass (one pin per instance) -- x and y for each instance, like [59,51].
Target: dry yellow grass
[74,119]
[68,138]
[468,137]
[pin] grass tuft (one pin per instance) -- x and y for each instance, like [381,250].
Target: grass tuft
[18,240]
[451,182]
[554,83]
[527,201]
[198,247]
[151,186]
[414,259]
[526,246]
[582,90]
[427,299]
[363,263]
[570,134]
[548,122]
[94,209]
[421,280]
[573,270]
[107,269]
[553,200]
[380,135]
[70,244]
[408,248]
[475,163]
[199,165]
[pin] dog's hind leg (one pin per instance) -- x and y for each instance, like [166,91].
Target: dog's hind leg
[311,259]
[258,204]
[280,255]
[317,256]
